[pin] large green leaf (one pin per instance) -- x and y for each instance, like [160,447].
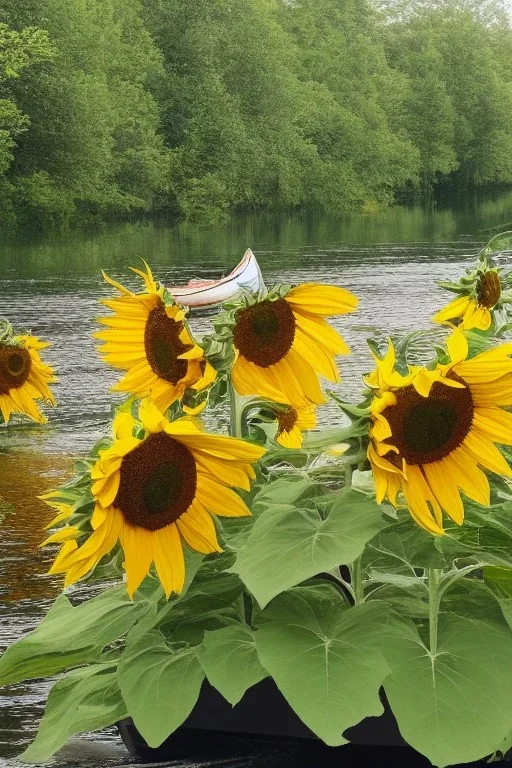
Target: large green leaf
[230,661]
[159,684]
[401,548]
[84,700]
[284,491]
[289,545]
[325,658]
[500,581]
[69,636]
[486,534]
[455,706]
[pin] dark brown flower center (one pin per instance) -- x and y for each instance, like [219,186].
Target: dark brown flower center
[15,363]
[264,332]
[427,429]
[158,482]
[286,420]
[163,345]
[488,289]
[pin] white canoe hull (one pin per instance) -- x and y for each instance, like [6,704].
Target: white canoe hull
[210,293]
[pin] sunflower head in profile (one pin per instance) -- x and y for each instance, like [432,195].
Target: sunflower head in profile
[434,433]
[291,422]
[147,336]
[24,378]
[282,342]
[154,492]
[478,295]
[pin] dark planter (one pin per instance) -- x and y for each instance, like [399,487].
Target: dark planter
[262,720]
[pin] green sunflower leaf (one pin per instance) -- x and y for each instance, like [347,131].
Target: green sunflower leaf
[499,581]
[401,548]
[230,661]
[159,684]
[455,706]
[70,635]
[289,545]
[486,534]
[324,658]
[284,491]
[84,700]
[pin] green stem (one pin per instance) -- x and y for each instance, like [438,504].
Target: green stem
[450,578]
[235,412]
[356,573]
[434,594]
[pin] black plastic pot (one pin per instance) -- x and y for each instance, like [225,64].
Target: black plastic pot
[262,718]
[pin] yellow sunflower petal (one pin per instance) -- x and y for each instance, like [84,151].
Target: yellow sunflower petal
[69,532]
[457,345]
[417,494]
[321,332]
[468,476]
[218,499]
[455,308]
[197,528]
[445,490]
[485,453]
[190,411]
[137,544]
[477,317]
[152,419]
[116,285]
[495,423]
[321,299]
[169,560]
[105,489]
[227,472]
[324,362]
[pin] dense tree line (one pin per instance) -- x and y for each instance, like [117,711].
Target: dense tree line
[199,107]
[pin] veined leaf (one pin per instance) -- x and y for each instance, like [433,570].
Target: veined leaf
[455,706]
[325,658]
[159,684]
[486,533]
[401,548]
[84,700]
[230,661]
[289,545]
[69,636]
[284,491]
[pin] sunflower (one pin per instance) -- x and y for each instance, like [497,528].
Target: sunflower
[282,343]
[291,422]
[476,303]
[433,441]
[148,338]
[153,492]
[24,378]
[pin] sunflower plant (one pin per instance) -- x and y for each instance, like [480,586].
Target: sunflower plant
[367,562]
[24,377]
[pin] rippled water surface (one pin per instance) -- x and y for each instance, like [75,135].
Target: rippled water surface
[51,288]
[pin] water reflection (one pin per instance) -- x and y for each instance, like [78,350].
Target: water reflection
[23,477]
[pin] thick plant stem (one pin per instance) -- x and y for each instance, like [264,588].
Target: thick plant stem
[434,595]
[235,412]
[356,572]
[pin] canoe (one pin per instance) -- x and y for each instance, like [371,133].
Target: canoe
[203,294]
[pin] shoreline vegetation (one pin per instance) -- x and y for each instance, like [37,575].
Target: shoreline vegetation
[113,109]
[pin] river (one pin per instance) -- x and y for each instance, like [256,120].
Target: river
[50,286]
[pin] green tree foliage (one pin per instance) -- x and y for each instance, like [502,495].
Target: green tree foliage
[456,55]
[196,109]
[91,144]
